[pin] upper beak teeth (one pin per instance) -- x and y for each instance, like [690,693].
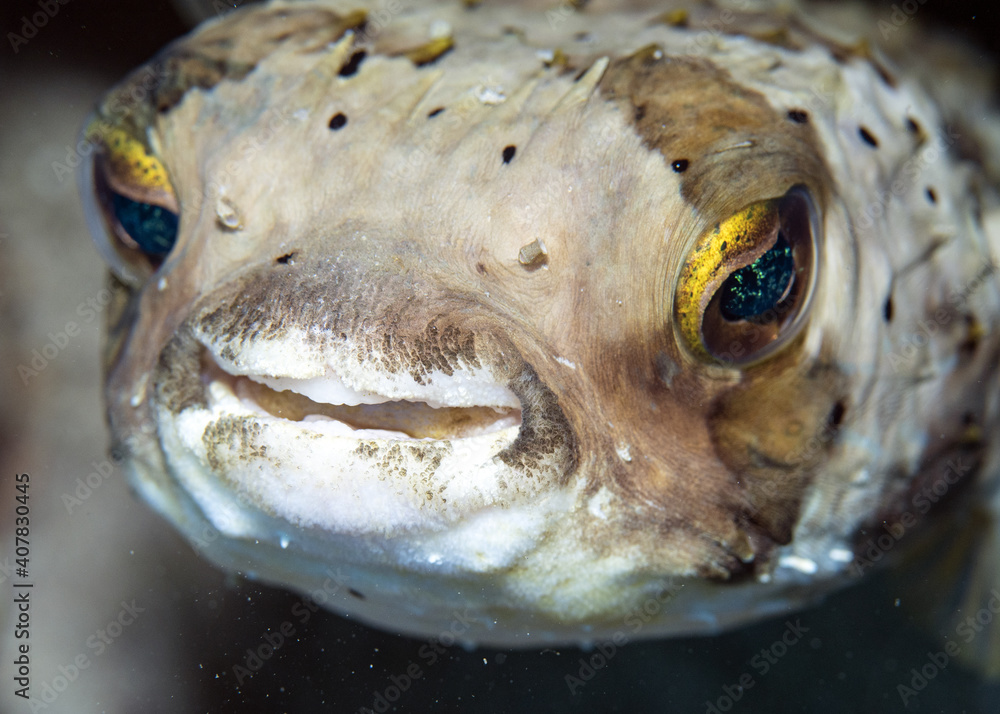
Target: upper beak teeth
[445,408]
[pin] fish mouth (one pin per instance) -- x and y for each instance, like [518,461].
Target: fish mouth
[328,405]
[321,433]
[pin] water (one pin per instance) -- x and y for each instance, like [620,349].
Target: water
[200,640]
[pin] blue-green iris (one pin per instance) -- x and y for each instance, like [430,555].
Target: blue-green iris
[153,228]
[753,290]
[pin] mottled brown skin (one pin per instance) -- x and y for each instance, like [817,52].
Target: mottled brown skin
[688,109]
[720,458]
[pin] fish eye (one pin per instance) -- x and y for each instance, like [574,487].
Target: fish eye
[130,205]
[745,288]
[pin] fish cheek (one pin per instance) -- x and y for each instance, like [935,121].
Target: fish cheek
[771,431]
[730,145]
[118,320]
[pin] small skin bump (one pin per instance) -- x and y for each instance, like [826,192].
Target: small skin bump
[867,137]
[554,58]
[532,254]
[430,52]
[673,18]
[338,121]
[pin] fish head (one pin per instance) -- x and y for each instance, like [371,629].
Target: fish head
[426,324]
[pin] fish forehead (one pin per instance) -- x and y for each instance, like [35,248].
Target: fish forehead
[391,221]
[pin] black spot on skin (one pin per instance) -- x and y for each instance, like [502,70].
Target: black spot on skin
[338,121]
[680,165]
[640,112]
[508,153]
[582,37]
[435,112]
[355,593]
[837,414]
[285,259]
[481,268]
[931,195]
[912,126]
[968,419]
[887,309]
[867,137]
[798,116]
[351,68]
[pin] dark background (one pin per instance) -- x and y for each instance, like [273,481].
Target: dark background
[115,35]
[860,644]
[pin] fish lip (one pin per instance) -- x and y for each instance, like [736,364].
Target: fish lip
[180,381]
[240,464]
[375,416]
[445,356]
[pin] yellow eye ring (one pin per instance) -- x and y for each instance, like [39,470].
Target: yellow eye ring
[129,201]
[746,286]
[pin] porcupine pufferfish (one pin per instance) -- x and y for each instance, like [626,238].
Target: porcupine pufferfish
[540,313]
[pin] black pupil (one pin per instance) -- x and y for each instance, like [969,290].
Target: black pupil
[153,228]
[753,290]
